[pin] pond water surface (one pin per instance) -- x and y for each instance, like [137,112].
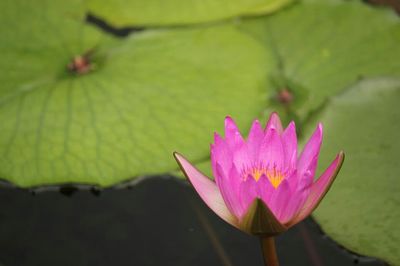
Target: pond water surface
[159,221]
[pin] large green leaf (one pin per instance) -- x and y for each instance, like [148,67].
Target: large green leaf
[325,46]
[321,48]
[362,209]
[177,12]
[148,95]
[37,41]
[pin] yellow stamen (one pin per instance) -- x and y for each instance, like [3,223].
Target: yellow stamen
[274,176]
[257,173]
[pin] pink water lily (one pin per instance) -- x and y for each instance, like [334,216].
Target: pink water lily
[261,184]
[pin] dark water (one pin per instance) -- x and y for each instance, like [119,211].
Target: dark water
[159,221]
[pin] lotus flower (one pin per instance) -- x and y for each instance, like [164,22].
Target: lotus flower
[261,184]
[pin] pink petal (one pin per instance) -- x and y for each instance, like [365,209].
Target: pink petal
[298,197]
[271,152]
[279,200]
[294,204]
[221,154]
[232,134]
[319,189]
[265,189]
[274,122]
[309,157]
[241,157]
[300,191]
[229,188]
[207,190]
[289,140]
[247,193]
[254,139]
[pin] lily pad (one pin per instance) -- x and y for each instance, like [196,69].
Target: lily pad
[177,12]
[320,49]
[143,97]
[323,47]
[362,209]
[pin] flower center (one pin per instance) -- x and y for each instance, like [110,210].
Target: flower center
[274,176]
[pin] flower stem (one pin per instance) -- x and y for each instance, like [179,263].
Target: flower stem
[269,252]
